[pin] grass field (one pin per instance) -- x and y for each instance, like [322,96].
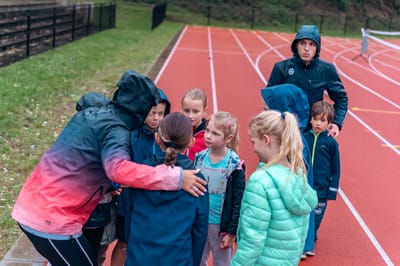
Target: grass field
[38,94]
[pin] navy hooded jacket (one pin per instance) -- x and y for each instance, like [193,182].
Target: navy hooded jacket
[167,227]
[144,147]
[313,79]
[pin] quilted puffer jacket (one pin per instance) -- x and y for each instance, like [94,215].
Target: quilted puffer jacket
[274,217]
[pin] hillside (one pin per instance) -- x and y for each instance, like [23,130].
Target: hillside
[373,8]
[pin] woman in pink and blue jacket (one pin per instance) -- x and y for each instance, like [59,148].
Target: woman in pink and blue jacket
[75,173]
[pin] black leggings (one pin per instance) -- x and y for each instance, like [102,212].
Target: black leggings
[94,236]
[74,251]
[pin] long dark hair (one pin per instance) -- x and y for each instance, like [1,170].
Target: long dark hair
[175,133]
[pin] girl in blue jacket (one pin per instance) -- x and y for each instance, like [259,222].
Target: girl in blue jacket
[168,227]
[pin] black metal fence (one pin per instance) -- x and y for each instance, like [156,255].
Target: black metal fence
[273,19]
[29,31]
[159,12]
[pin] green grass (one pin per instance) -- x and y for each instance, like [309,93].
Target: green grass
[38,94]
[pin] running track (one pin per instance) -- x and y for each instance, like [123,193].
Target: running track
[363,226]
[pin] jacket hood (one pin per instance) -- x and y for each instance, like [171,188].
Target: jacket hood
[91,99]
[298,197]
[288,98]
[164,99]
[136,94]
[307,32]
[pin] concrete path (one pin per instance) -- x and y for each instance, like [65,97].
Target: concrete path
[22,254]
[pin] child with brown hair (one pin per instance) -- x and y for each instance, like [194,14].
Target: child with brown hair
[224,172]
[194,106]
[325,157]
[168,228]
[277,200]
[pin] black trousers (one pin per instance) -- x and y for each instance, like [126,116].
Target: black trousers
[73,251]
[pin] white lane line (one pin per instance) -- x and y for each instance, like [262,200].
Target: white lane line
[212,73]
[371,64]
[359,83]
[170,55]
[364,226]
[248,56]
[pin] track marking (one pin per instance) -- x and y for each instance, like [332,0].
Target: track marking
[371,64]
[359,83]
[386,146]
[375,111]
[248,56]
[170,55]
[363,225]
[212,72]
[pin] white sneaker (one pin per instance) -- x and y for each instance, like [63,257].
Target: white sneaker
[310,253]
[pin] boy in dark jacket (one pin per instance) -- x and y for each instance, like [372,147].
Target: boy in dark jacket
[325,158]
[144,147]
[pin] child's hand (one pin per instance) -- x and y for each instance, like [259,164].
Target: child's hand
[227,241]
[116,192]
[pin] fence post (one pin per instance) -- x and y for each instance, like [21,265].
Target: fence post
[54,26]
[321,23]
[345,25]
[253,12]
[73,22]
[88,19]
[366,25]
[296,21]
[109,16]
[208,14]
[114,14]
[100,17]
[28,32]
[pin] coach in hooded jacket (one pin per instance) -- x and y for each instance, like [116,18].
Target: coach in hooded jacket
[313,75]
[74,174]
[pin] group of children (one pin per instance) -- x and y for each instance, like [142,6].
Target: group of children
[175,228]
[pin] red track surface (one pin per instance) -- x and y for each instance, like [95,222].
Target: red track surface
[363,226]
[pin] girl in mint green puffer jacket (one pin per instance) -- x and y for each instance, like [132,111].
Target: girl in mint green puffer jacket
[277,200]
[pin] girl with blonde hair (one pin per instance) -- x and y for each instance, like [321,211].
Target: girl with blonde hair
[224,172]
[277,200]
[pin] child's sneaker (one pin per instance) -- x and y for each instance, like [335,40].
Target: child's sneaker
[303,256]
[309,253]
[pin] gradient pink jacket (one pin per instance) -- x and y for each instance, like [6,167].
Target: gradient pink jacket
[93,149]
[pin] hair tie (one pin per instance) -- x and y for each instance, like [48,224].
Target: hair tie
[283,115]
[171,145]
